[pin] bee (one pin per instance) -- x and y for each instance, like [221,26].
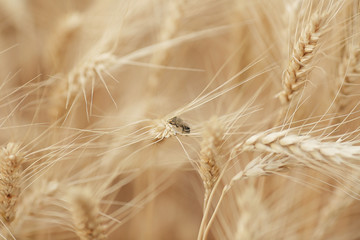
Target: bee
[179,123]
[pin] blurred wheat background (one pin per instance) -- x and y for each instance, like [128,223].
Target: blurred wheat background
[205,119]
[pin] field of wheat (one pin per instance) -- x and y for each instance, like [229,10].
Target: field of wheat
[179,119]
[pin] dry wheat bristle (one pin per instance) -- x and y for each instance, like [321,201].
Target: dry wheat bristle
[86,215]
[303,54]
[210,155]
[10,172]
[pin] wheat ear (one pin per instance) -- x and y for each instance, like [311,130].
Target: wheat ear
[304,51]
[210,156]
[300,63]
[10,172]
[304,147]
[86,215]
[80,81]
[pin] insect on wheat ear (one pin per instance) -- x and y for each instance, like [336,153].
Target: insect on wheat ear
[179,123]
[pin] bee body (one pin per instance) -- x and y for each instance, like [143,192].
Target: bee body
[179,123]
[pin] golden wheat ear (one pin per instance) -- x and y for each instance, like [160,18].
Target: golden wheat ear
[210,156]
[10,175]
[301,62]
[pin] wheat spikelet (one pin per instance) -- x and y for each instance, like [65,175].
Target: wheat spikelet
[86,215]
[210,155]
[10,173]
